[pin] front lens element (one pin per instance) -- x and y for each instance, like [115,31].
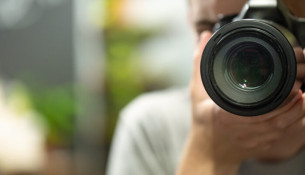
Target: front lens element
[246,69]
[249,65]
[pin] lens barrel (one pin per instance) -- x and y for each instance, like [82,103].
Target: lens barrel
[248,67]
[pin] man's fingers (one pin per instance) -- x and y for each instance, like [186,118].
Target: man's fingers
[304,54]
[290,101]
[299,54]
[301,72]
[203,40]
[293,114]
[197,90]
[300,58]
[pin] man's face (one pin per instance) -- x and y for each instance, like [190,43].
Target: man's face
[204,13]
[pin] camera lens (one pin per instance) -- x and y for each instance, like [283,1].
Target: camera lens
[246,69]
[249,65]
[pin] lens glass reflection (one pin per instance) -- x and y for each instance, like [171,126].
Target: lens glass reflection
[249,66]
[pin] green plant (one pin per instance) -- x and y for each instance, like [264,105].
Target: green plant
[57,107]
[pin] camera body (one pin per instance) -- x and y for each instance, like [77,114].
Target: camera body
[248,67]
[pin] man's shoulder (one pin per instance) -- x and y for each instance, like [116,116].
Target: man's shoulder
[168,104]
[159,99]
[151,133]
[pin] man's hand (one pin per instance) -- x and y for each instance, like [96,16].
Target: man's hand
[219,141]
[293,120]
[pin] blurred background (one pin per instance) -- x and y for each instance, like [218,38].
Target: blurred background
[67,68]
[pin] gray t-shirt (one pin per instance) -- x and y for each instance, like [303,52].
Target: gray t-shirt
[152,132]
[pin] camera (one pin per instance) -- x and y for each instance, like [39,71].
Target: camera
[248,66]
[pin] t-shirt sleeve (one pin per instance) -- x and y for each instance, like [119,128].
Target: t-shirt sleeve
[138,147]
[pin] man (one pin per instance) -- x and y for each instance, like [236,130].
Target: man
[175,131]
